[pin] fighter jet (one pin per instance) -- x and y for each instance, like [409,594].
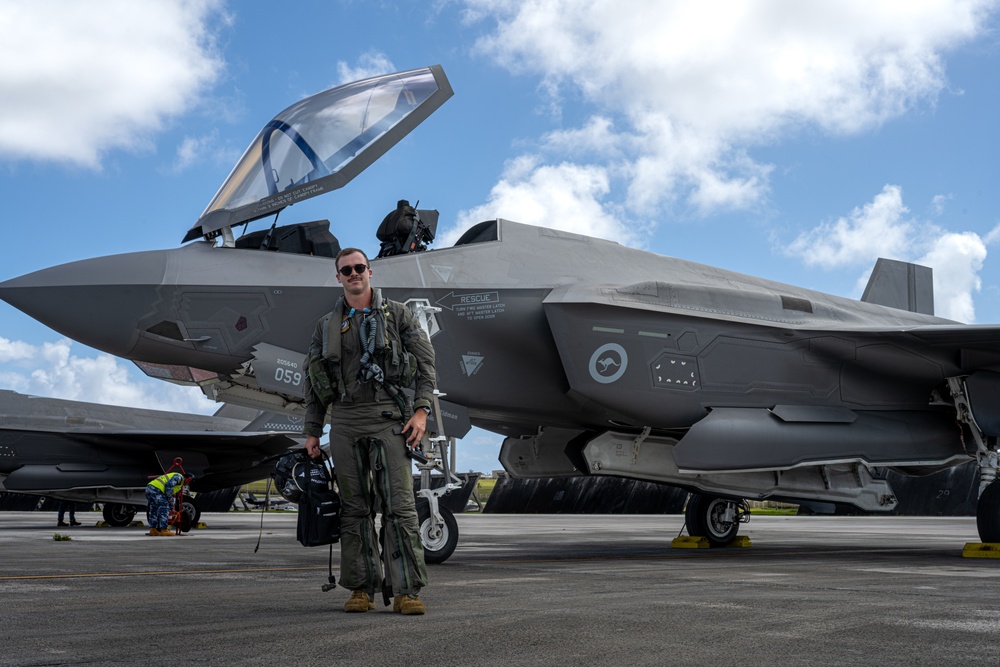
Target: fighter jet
[85,452]
[590,357]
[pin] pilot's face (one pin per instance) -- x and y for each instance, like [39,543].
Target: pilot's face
[356,283]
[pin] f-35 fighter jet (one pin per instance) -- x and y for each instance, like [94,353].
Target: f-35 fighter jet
[590,357]
[85,452]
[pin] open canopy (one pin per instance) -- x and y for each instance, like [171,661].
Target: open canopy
[321,143]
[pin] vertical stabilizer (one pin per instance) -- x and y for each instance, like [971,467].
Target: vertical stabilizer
[901,285]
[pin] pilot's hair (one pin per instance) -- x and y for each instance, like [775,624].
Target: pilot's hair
[350,251]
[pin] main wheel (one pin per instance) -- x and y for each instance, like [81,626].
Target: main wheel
[439,542]
[988,514]
[709,517]
[190,513]
[118,515]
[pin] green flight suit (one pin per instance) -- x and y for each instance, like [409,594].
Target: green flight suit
[373,470]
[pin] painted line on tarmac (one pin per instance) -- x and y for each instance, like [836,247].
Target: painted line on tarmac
[691,554]
[713,554]
[23,577]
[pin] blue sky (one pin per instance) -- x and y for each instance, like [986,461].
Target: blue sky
[795,141]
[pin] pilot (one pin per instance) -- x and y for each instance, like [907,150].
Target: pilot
[361,353]
[160,494]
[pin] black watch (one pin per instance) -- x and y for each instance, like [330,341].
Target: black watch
[425,409]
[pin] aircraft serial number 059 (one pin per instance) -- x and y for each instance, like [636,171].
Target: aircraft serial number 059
[288,376]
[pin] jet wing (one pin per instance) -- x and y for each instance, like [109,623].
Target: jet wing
[93,458]
[207,442]
[322,142]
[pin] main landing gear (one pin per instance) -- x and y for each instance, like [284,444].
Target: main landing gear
[119,515]
[988,509]
[988,514]
[716,519]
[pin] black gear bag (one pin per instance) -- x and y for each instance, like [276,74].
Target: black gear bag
[319,502]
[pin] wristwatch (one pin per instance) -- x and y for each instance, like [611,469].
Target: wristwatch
[425,409]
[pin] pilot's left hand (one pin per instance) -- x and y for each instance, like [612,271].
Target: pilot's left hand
[416,426]
[312,447]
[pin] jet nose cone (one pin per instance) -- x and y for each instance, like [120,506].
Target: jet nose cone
[94,301]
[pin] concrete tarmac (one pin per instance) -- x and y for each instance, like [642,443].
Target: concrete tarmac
[519,590]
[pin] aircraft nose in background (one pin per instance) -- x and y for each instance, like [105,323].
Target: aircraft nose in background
[94,301]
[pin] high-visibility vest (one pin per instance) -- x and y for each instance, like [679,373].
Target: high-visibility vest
[163,481]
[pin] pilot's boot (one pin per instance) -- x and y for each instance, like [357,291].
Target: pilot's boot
[359,602]
[408,605]
[74,522]
[62,524]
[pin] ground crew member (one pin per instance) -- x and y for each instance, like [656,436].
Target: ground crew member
[62,507]
[160,494]
[360,353]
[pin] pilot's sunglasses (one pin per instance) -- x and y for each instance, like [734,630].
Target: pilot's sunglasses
[357,268]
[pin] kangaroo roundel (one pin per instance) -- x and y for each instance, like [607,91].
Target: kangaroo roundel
[608,363]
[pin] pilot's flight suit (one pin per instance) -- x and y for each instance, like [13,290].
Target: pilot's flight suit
[369,453]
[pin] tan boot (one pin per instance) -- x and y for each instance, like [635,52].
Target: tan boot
[408,605]
[359,602]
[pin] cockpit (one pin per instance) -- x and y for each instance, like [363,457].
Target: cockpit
[318,145]
[405,229]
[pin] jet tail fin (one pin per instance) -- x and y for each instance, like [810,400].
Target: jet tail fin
[232,411]
[901,285]
[260,420]
[275,421]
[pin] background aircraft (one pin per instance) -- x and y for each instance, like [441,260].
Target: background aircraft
[84,452]
[591,357]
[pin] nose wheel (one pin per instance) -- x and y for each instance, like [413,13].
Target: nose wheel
[438,539]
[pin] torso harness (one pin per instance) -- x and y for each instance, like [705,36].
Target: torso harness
[372,334]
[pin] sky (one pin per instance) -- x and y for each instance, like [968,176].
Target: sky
[796,141]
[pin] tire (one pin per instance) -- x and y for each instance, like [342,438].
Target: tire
[118,515]
[988,514]
[703,517]
[692,516]
[437,547]
[190,514]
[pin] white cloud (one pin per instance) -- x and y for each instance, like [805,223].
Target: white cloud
[52,369]
[693,85]
[956,260]
[78,79]
[881,228]
[877,229]
[596,137]
[938,203]
[370,63]
[194,149]
[992,236]
[14,350]
[565,196]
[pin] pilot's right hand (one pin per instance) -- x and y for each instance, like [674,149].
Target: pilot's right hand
[312,446]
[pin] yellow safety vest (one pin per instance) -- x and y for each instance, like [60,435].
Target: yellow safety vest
[162,481]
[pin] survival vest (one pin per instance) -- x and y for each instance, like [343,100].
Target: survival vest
[397,364]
